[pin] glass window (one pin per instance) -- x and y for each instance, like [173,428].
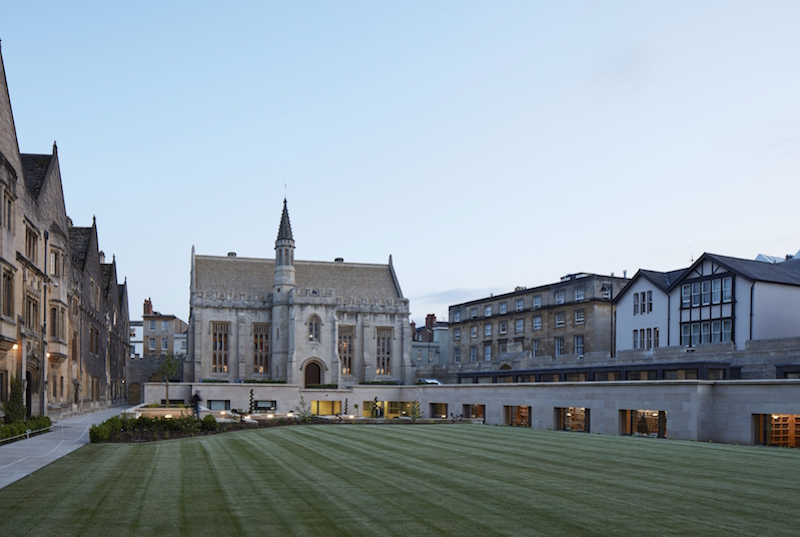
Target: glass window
[635,339]
[537,302]
[685,335]
[473,331]
[695,334]
[457,334]
[457,317]
[649,339]
[655,337]
[705,332]
[695,294]
[519,305]
[519,325]
[473,354]
[560,297]
[487,353]
[715,331]
[457,355]
[487,311]
[726,330]
[535,348]
[503,327]
[473,312]
[580,293]
[537,323]
[560,349]
[165,326]
[164,344]
[649,301]
[487,330]
[261,348]
[579,316]
[636,303]
[686,294]
[503,308]
[716,291]
[727,289]
[579,345]
[706,292]
[560,319]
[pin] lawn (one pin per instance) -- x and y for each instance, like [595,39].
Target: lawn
[410,481]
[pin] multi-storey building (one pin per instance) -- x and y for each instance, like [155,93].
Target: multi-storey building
[570,318]
[162,335]
[63,315]
[723,317]
[431,344]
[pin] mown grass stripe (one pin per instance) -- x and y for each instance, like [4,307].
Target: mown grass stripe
[431,480]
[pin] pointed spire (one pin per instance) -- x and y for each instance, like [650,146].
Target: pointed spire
[285,231]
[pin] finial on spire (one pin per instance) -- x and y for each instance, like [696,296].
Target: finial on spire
[285,230]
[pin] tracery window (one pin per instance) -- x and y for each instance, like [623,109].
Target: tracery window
[346,334]
[384,352]
[313,329]
[260,348]
[219,355]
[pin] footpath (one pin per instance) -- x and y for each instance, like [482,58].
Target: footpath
[22,458]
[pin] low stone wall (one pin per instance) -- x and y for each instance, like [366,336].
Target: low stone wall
[719,411]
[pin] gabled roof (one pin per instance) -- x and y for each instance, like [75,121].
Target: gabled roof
[255,277]
[662,280]
[750,269]
[34,171]
[79,239]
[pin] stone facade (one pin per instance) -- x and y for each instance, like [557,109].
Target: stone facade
[63,315]
[302,322]
[563,320]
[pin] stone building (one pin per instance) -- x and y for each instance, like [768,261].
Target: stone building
[162,335]
[299,322]
[431,344]
[63,315]
[534,327]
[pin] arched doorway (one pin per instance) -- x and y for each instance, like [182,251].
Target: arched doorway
[134,394]
[313,374]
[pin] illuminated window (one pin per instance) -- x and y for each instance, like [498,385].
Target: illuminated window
[384,351]
[219,354]
[260,348]
[346,336]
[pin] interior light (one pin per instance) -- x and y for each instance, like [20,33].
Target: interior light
[168,416]
[270,416]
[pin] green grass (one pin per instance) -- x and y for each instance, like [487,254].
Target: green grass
[410,481]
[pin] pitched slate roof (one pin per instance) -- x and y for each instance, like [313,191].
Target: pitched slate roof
[255,277]
[662,279]
[107,272]
[753,270]
[34,170]
[79,239]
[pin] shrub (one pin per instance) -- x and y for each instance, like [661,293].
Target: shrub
[215,380]
[321,386]
[37,423]
[209,423]
[14,408]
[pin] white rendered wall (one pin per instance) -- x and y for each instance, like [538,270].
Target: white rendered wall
[776,311]
[627,322]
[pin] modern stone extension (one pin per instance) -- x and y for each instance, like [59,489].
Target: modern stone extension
[730,411]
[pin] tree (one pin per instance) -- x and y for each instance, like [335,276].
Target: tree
[14,408]
[168,369]
[415,411]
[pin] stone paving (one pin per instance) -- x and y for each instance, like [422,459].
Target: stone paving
[24,457]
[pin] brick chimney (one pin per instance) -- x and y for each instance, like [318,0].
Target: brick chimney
[148,307]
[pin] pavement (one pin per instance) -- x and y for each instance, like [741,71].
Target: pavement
[24,457]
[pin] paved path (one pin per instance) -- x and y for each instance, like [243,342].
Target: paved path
[23,457]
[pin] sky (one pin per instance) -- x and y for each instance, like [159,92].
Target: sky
[483,145]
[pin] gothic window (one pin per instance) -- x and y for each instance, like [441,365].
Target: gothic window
[8,293]
[260,348]
[384,352]
[313,329]
[31,238]
[219,354]
[346,334]
[9,211]
[32,313]
[54,322]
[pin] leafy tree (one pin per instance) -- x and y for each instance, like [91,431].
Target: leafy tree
[302,411]
[14,408]
[168,369]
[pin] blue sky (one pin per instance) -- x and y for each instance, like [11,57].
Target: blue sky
[484,145]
